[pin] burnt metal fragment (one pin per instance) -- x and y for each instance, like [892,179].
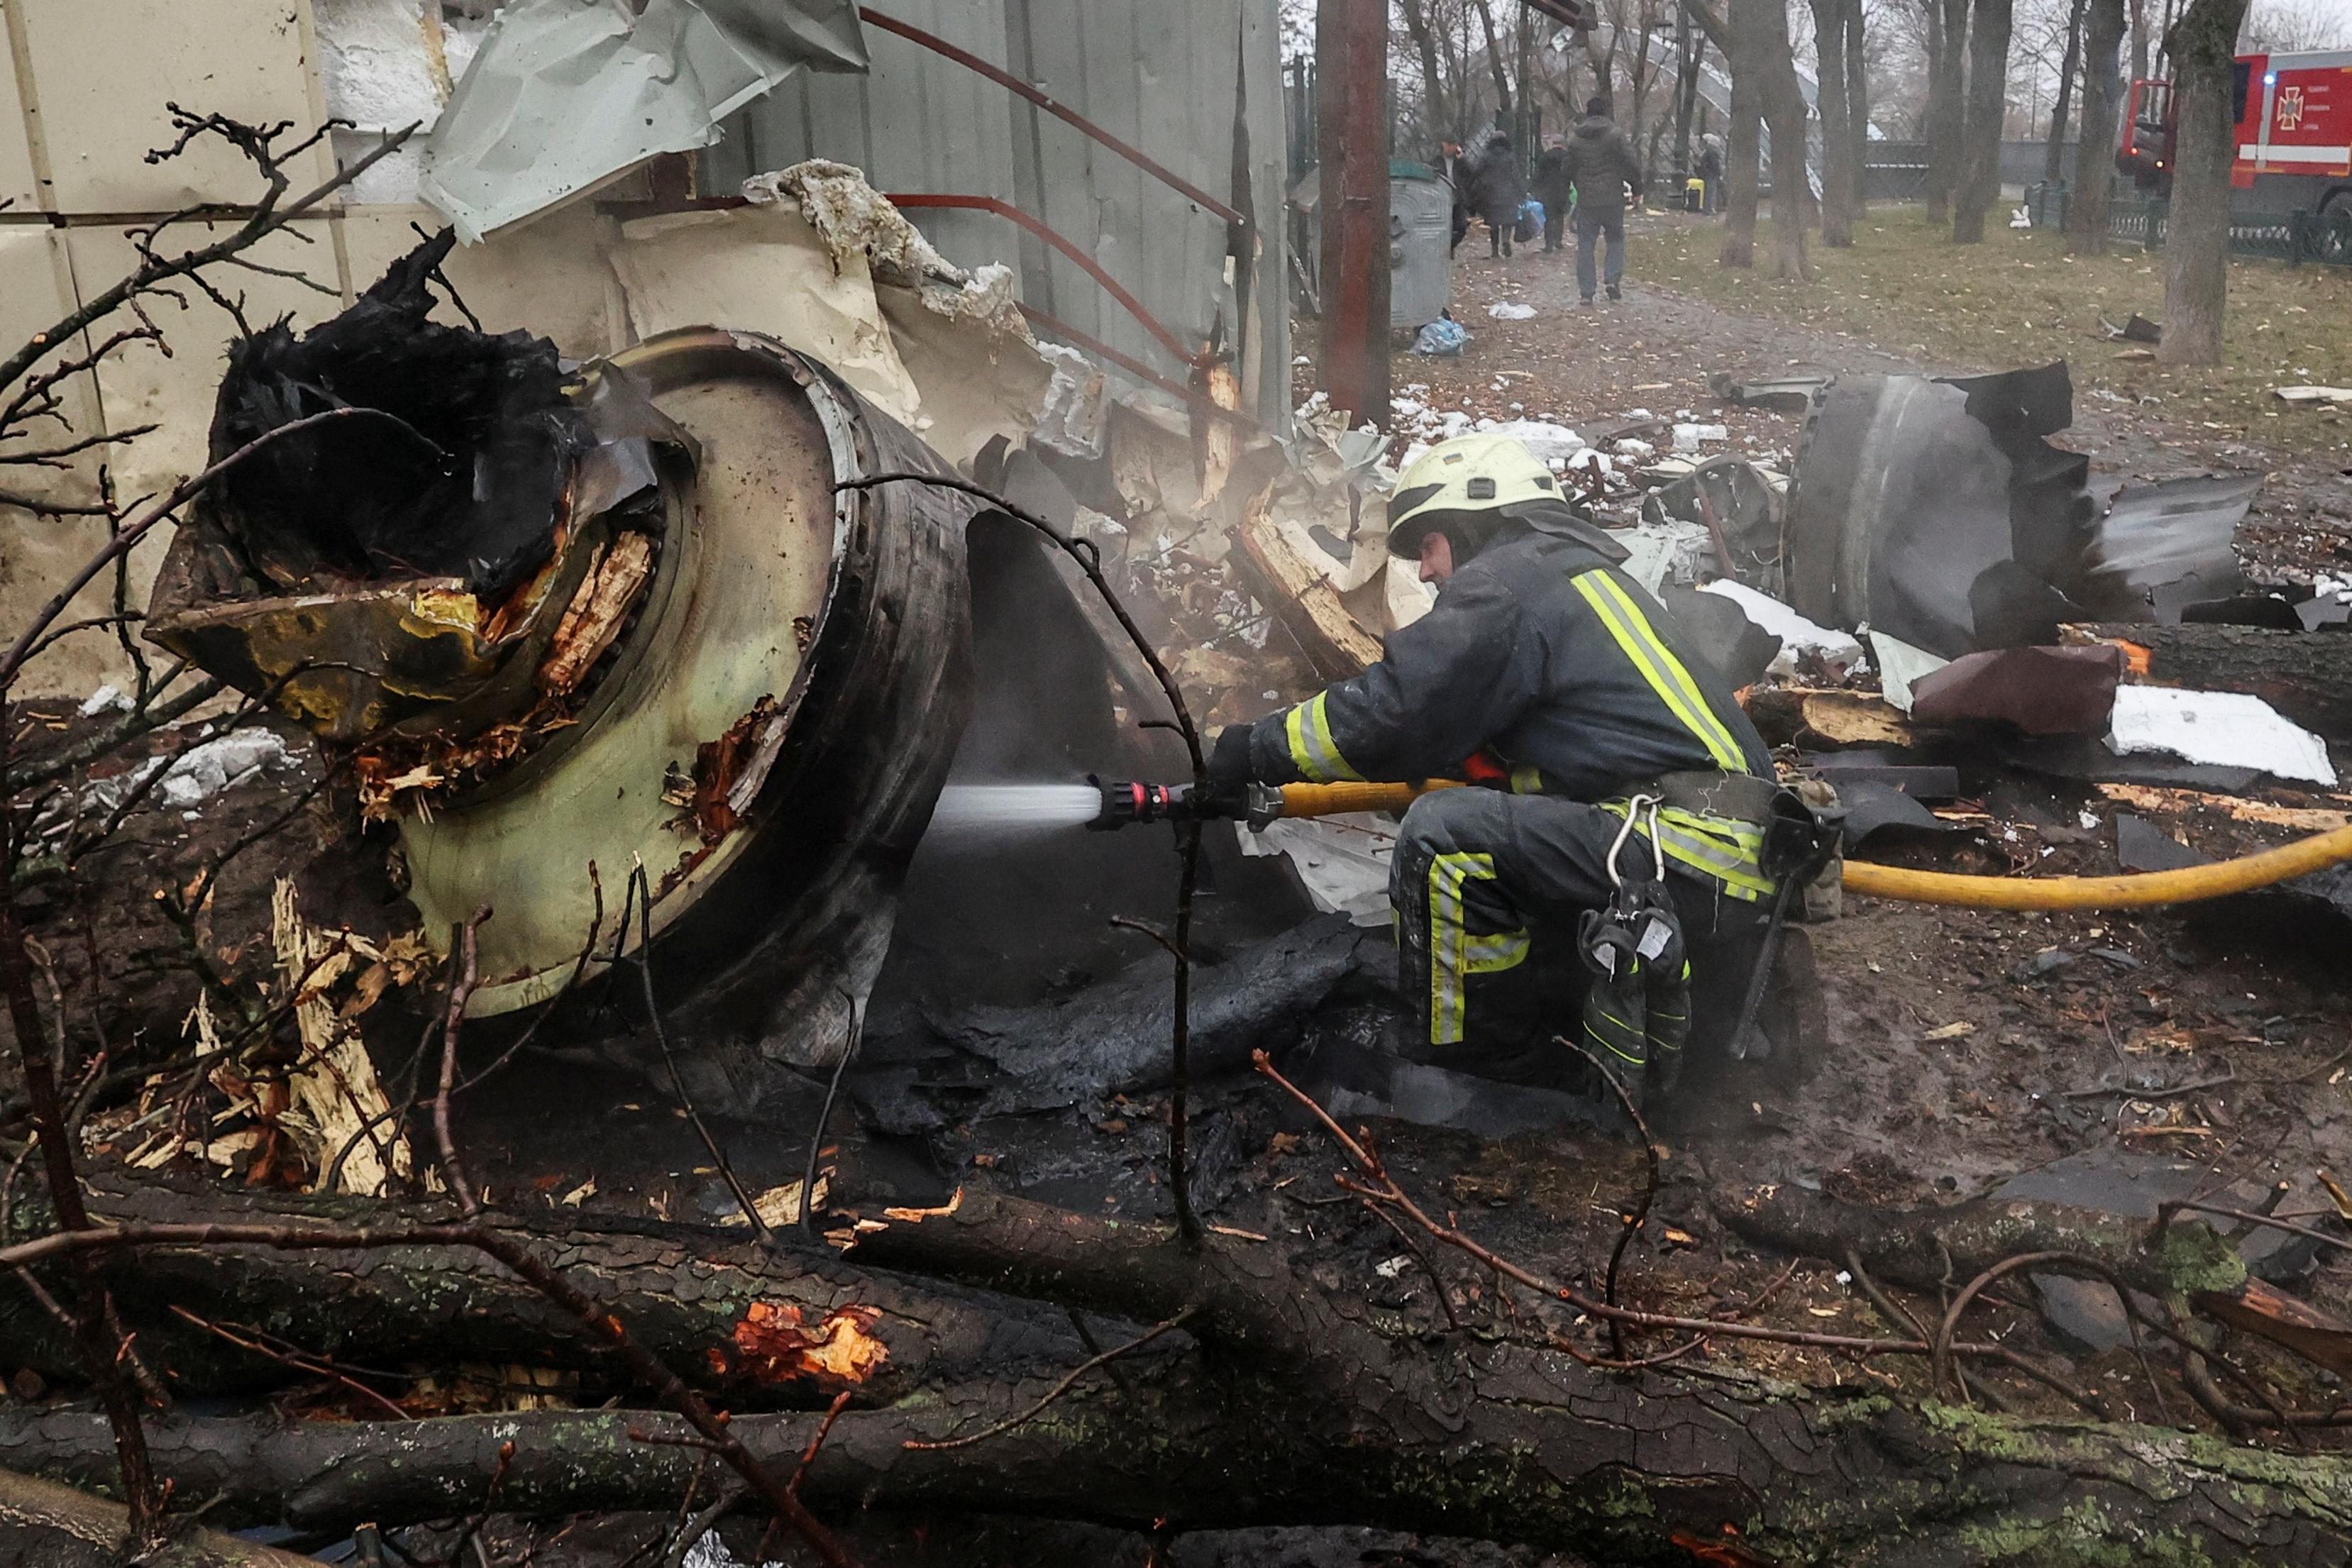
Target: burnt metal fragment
[1937,511]
[2041,691]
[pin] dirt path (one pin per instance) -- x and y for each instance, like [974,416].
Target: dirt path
[1657,348]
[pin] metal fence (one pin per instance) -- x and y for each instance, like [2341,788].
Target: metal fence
[2294,238]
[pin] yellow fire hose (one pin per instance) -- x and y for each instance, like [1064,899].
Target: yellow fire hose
[2134,892]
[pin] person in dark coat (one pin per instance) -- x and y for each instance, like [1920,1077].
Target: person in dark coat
[1496,190]
[1604,167]
[1547,672]
[1552,187]
[1455,169]
[1710,169]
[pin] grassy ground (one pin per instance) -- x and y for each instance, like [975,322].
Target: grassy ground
[2017,300]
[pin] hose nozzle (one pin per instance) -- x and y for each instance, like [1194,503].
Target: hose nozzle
[1129,800]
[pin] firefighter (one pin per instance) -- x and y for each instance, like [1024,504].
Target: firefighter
[1604,740]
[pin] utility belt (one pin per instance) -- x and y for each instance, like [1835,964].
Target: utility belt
[1710,822]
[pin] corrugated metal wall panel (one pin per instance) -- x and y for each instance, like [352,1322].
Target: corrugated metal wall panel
[920,122]
[1159,74]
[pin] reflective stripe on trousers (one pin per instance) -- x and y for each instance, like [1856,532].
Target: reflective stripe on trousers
[1730,852]
[1455,953]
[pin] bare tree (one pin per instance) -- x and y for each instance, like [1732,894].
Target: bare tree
[2203,47]
[2289,27]
[1840,179]
[1947,46]
[1988,107]
[1495,61]
[2086,207]
[2053,155]
[1436,121]
[1784,113]
[1857,100]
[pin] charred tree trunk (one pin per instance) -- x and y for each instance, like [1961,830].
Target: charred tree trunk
[1291,1403]
[1988,105]
[2086,205]
[1839,182]
[2053,167]
[2203,47]
[1948,32]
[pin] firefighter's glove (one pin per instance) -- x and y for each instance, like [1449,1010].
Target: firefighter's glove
[1229,759]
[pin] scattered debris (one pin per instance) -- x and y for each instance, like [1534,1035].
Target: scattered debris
[561,98]
[2312,393]
[2304,819]
[1342,860]
[1506,311]
[2041,691]
[338,1109]
[2217,727]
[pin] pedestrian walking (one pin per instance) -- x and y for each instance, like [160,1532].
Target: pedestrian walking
[1602,166]
[1497,188]
[1551,188]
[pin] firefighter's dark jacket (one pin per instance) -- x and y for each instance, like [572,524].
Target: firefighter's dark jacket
[1539,651]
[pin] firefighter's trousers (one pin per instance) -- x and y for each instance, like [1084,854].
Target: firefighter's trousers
[1486,888]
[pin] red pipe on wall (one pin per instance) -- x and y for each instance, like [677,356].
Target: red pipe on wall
[1016,85]
[1011,213]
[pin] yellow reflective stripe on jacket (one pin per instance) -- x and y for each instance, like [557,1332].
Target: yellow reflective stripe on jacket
[1454,953]
[1526,779]
[1665,673]
[1730,852]
[1312,750]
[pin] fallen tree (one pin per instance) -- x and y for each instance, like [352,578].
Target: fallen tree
[2308,676]
[1290,1402]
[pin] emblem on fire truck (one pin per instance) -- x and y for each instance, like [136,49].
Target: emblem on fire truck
[2289,108]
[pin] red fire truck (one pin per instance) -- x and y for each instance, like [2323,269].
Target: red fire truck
[2295,134]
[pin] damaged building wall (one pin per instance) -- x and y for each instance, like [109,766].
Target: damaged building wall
[592,275]
[1158,74]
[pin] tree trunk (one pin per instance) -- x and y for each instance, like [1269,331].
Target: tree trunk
[1432,92]
[1947,26]
[1987,104]
[2053,166]
[1784,112]
[2094,167]
[50,1526]
[1285,1401]
[1494,63]
[685,1293]
[2138,38]
[1742,159]
[1857,105]
[1690,47]
[2203,47]
[1837,138]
